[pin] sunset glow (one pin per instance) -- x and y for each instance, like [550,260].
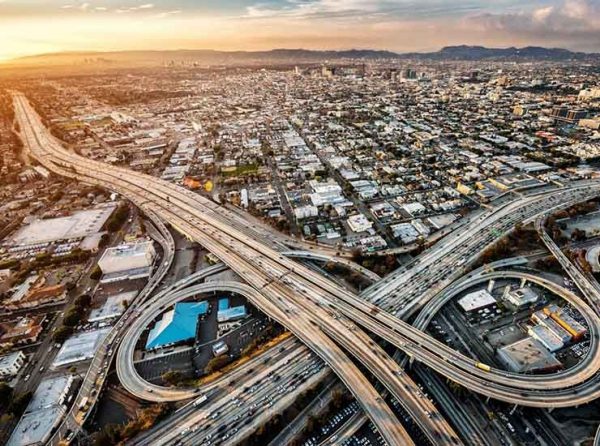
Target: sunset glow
[33,26]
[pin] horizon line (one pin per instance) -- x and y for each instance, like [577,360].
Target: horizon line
[108,51]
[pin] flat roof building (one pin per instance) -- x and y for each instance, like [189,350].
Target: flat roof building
[359,223]
[566,321]
[546,337]
[232,314]
[520,297]
[80,347]
[44,412]
[176,325]
[476,300]
[528,355]
[11,364]
[113,307]
[76,226]
[127,257]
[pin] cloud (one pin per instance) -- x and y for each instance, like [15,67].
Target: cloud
[361,9]
[572,16]
[143,7]
[164,14]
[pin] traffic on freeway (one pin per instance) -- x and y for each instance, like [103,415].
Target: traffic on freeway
[319,312]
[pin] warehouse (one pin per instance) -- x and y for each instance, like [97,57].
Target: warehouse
[528,355]
[44,412]
[77,226]
[476,300]
[80,347]
[127,257]
[176,325]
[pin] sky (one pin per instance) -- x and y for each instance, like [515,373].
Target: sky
[30,27]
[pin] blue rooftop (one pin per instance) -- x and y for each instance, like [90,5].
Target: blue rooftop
[231,314]
[176,325]
[223,304]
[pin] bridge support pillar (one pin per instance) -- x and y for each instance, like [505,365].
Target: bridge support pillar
[491,285]
[523,282]
[512,411]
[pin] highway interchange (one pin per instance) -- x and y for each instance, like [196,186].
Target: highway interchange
[325,316]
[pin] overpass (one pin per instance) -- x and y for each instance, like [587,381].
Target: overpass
[314,309]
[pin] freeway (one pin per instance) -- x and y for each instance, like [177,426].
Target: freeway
[597,437]
[353,266]
[209,225]
[234,413]
[588,390]
[410,287]
[128,375]
[94,379]
[589,288]
[314,309]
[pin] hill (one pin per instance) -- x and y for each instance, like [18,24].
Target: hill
[291,56]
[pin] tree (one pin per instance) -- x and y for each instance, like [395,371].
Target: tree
[19,403]
[96,273]
[83,301]
[72,318]
[6,392]
[216,364]
[104,239]
[172,377]
[62,334]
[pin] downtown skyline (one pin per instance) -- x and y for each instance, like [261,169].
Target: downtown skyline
[33,27]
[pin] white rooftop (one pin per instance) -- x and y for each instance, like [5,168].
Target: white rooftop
[44,411]
[80,347]
[475,300]
[78,225]
[112,307]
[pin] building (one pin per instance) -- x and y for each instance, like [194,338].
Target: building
[113,306]
[127,257]
[12,363]
[546,337]
[51,230]
[25,330]
[306,211]
[127,262]
[225,313]
[220,348]
[5,280]
[520,297]
[413,209]
[232,314]
[34,292]
[359,223]
[80,347]
[44,412]
[526,356]
[326,193]
[562,318]
[177,325]
[406,232]
[476,300]
[562,113]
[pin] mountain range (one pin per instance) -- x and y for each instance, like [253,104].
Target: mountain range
[449,53]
